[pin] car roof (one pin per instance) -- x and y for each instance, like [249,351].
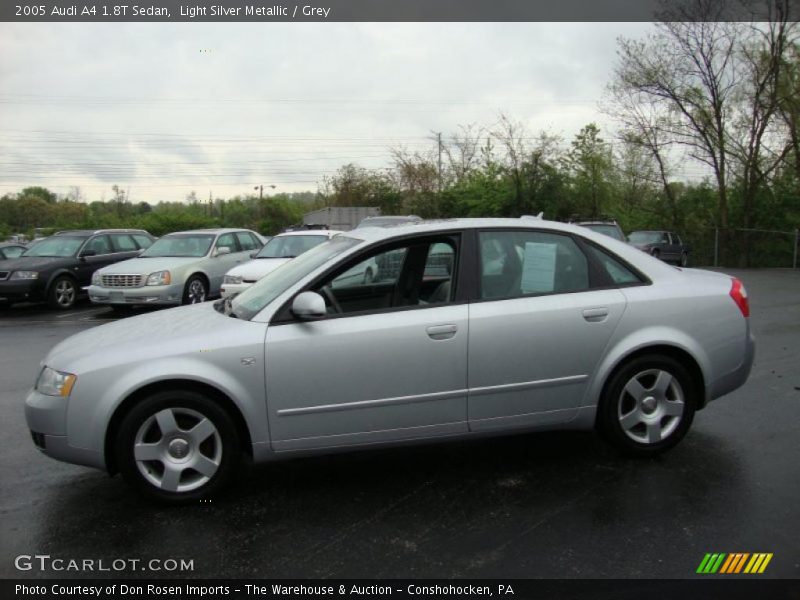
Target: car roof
[434,226]
[87,232]
[214,231]
[325,232]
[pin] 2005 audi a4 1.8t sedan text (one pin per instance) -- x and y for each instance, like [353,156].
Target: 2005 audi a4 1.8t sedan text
[477,327]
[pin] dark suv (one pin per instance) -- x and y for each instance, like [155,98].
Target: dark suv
[58,268]
[666,245]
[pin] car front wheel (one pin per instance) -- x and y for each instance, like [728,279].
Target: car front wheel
[63,293]
[177,447]
[196,290]
[648,405]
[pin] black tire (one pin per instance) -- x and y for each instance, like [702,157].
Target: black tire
[190,295]
[656,254]
[63,293]
[637,437]
[187,408]
[684,260]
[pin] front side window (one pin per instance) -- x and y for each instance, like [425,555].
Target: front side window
[61,246]
[417,274]
[521,263]
[181,245]
[99,245]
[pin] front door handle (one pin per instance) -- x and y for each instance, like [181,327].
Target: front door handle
[441,332]
[595,315]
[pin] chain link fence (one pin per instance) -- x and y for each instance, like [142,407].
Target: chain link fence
[744,248]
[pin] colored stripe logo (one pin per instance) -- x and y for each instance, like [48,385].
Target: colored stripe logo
[734,563]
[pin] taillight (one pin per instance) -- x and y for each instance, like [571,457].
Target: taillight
[739,295]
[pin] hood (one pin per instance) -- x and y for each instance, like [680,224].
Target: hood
[145,266]
[182,330]
[34,263]
[258,267]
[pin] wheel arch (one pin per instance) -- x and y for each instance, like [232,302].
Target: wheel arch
[677,353]
[172,384]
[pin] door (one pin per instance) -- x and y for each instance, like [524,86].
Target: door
[219,264]
[388,363]
[537,330]
[96,253]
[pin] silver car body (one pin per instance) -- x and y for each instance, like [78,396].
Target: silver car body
[461,369]
[124,283]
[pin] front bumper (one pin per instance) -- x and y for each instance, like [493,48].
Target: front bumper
[231,289]
[154,294]
[21,290]
[47,419]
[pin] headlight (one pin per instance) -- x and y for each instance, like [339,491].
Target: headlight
[55,383]
[159,278]
[233,279]
[96,278]
[25,275]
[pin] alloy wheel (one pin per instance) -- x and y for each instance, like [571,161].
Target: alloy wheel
[65,293]
[177,449]
[197,292]
[651,406]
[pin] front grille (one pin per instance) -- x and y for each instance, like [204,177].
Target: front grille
[122,281]
[4,275]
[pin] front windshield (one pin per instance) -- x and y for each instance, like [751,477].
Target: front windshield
[180,245]
[289,246]
[609,230]
[61,246]
[645,237]
[250,302]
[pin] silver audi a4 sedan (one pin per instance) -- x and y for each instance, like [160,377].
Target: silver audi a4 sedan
[476,327]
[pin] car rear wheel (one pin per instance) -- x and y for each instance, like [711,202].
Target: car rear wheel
[684,259]
[177,447]
[62,293]
[656,253]
[648,405]
[195,291]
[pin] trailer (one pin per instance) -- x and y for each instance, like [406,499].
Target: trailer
[342,218]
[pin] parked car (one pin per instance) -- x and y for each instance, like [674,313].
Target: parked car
[575,330]
[388,221]
[57,269]
[665,245]
[280,249]
[186,267]
[11,250]
[603,225]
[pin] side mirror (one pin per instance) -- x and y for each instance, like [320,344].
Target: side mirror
[86,253]
[222,251]
[309,306]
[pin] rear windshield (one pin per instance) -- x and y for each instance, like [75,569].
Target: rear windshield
[290,246]
[646,237]
[609,230]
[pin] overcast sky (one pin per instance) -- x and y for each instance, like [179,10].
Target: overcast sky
[164,109]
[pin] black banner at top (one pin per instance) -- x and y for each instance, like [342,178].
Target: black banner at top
[393,10]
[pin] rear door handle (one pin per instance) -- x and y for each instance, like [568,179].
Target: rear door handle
[595,315]
[441,332]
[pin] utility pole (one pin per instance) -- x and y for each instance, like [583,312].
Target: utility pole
[439,143]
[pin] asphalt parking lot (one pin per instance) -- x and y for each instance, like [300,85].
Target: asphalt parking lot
[546,505]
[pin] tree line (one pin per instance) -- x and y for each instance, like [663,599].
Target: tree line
[698,95]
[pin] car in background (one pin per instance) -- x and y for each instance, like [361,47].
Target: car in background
[388,221]
[185,267]
[575,331]
[11,250]
[279,250]
[603,225]
[666,245]
[57,269]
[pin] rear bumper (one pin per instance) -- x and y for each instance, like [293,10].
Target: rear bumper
[736,378]
[159,295]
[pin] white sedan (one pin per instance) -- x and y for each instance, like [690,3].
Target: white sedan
[280,249]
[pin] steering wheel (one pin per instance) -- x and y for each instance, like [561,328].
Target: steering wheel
[328,293]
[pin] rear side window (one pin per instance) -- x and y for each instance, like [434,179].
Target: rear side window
[522,263]
[616,271]
[143,240]
[246,241]
[123,242]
